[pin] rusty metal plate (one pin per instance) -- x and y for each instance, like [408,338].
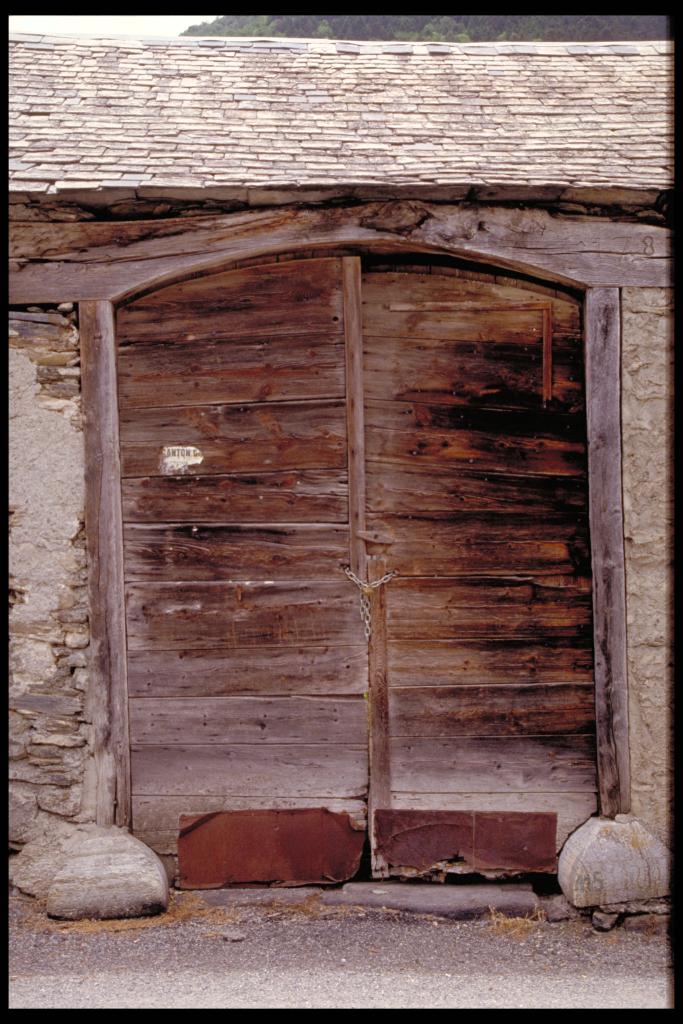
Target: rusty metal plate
[483,840]
[300,846]
[418,839]
[515,840]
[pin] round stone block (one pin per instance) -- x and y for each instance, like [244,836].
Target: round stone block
[608,861]
[107,876]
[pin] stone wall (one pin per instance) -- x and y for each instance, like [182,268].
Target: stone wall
[49,733]
[647,426]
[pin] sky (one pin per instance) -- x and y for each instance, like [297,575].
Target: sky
[139,25]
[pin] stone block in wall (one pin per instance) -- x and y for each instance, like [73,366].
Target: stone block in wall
[48,599]
[23,810]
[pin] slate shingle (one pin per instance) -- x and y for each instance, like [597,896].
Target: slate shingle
[246,112]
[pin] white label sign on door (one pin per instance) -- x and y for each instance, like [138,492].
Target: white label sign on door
[178,458]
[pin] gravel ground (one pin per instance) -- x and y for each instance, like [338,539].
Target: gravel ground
[198,956]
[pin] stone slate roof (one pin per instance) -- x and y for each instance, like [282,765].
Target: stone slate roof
[213,113]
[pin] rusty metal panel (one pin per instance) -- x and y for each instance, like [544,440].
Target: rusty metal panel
[299,846]
[515,840]
[481,840]
[418,839]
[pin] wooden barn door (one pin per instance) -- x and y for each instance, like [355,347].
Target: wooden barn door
[247,662]
[476,495]
[281,423]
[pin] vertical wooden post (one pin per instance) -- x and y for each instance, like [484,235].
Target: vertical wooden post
[380,754]
[355,415]
[104,533]
[379,793]
[547,315]
[603,410]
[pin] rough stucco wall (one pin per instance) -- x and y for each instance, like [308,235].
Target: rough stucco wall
[48,600]
[647,430]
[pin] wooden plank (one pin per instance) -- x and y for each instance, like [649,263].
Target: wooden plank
[185,720]
[279,299]
[355,424]
[481,544]
[211,552]
[474,558]
[179,372]
[295,496]
[107,660]
[449,437]
[252,438]
[164,842]
[536,709]
[548,355]
[105,260]
[379,729]
[603,397]
[429,298]
[267,770]
[265,670]
[378,718]
[172,616]
[488,662]
[493,374]
[572,809]
[433,609]
[403,489]
[162,812]
[492,764]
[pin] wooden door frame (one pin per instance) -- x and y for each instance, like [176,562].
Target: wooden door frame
[602,339]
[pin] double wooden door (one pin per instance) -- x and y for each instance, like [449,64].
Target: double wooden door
[283,422]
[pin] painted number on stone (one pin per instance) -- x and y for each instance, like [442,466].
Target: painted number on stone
[177,458]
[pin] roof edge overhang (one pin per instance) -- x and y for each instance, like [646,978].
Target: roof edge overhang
[627,47]
[285,193]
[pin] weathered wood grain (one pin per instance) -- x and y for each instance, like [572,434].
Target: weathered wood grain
[157,552]
[291,299]
[428,302]
[171,372]
[489,662]
[433,609]
[488,764]
[481,544]
[603,398]
[266,719]
[310,495]
[162,812]
[488,439]
[265,770]
[227,671]
[538,709]
[403,489]
[107,661]
[237,438]
[168,616]
[355,422]
[379,753]
[448,372]
[69,262]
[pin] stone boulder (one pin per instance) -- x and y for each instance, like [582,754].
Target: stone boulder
[33,869]
[613,861]
[108,876]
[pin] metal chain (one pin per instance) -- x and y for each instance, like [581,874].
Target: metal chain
[366,590]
